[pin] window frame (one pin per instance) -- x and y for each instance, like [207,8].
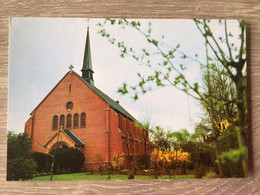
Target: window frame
[84,120]
[63,125]
[76,120]
[55,122]
[69,121]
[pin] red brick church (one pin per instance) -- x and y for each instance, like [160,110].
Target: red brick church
[77,114]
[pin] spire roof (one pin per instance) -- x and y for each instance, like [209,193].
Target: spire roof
[87,63]
[87,71]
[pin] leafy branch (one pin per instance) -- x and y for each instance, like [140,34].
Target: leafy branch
[165,71]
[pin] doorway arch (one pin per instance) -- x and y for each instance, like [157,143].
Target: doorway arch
[60,144]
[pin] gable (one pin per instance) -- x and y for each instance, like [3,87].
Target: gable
[61,136]
[113,104]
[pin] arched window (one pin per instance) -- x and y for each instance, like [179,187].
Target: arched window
[83,120]
[69,121]
[55,122]
[62,121]
[76,121]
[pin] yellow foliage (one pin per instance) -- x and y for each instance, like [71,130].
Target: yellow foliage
[119,161]
[170,156]
[222,126]
[184,157]
[159,156]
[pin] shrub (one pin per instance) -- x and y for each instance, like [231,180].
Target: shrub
[100,169]
[67,159]
[226,142]
[131,175]
[157,161]
[101,164]
[41,160]
[21,168]
[210,174]
[200,171]
[109,169]
[75,160]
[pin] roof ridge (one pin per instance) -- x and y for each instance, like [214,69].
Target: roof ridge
[108,99]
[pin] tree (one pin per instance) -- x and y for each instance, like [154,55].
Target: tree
[227,51]
[179,138]
[161,139]
[20,164]
[222,106]
[195,145]
[146,124]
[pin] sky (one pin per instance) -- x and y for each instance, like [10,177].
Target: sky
[42,49]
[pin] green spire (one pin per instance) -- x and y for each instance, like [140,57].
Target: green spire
[87,72]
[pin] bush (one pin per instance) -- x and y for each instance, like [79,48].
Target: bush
[210,174]
[67,160]
[200,171]
[100,169]
[109,169]
[75,160]
[21,168]
[199,152]
[101,164]
[131,175]
[41,160]
[227,141]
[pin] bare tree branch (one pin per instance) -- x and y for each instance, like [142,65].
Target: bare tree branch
[242,35]
[227,42]
[209,43]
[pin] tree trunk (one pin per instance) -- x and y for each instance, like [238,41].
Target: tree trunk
[145,159]
[52,165]
[219,164]
[242,120]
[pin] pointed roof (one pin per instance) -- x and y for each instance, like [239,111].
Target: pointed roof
[87,63]
[113,104]
[74,138]
[71,136]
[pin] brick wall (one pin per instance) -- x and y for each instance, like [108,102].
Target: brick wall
[28,127]
[71,88]
[102,134]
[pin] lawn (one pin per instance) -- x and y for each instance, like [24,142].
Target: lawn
[84,176]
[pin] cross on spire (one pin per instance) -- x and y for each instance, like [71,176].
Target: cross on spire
[88,19]
[71,68]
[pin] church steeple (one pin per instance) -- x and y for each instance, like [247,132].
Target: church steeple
[87,72]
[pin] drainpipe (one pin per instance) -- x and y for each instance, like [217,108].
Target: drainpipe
[108,132]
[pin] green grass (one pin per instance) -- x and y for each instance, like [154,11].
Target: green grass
[84,176]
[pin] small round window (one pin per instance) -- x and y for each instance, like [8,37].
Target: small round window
[69,105]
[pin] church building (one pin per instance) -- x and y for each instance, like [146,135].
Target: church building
[77,114]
